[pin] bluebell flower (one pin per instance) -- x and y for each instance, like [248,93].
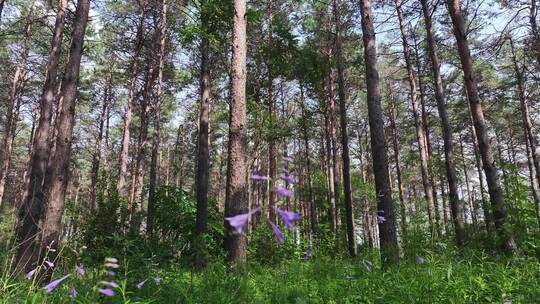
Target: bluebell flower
[54,284]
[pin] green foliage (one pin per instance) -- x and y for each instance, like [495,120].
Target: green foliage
[442,278]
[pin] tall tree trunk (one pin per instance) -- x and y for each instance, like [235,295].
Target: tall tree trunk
[530,138]
[344,134]
[96,158]
[52,223]
[203,155]
[330,172]
[332,146]
[533,13]
[385,204]
[397,158]
[311,202]
[492,174]
[447,132]
[272,148]
[420,135]
[134,71]
[425,127]
[236,200]
[137,176]
[14,106]
[154,165]
[472,210]
[31,210]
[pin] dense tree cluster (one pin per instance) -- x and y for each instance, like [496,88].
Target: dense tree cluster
[376,122]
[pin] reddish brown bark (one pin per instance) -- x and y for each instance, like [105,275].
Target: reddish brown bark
[236,200]
[52,223]
[31,209]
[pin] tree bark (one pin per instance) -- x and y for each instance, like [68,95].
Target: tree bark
[530,139]
[447,132]
[203,155]
[31,210]
[420,135]
[137,176]
[344,134]
[52,223]
[124,148]
[14,106]
[492,174]
[236,200]
[96,158]
[272,148]
[154,165]
[467,184]
[397,158]
[385,204]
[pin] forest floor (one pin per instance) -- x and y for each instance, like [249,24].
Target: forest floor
[471,277]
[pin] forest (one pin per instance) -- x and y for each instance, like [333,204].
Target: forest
[270,151]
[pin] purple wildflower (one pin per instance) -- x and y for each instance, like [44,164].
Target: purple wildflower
[239,221]
[73,293]
[49,263]
[106,292]
[288,179]
[157,280]
[141,284]
[111,260]
[289,217]
[110,273]
[257,177]
[283,192]
[277,232]
[30,274]
[79,269]
[283,171]
[54,284]
[109,283]
[380,219]
[420,260]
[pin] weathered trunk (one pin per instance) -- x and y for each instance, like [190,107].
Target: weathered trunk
[154,165]
[344,135]
[14,106]
[530,138]
[96,158]
[385,204]
[203,155]
[124,147]
[420,135]
[492,174]
[447,132]
[52,223]
[332,149]
[397,158]
[236,201]
[31,210]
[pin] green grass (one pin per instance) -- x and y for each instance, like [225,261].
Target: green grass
[471,278]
